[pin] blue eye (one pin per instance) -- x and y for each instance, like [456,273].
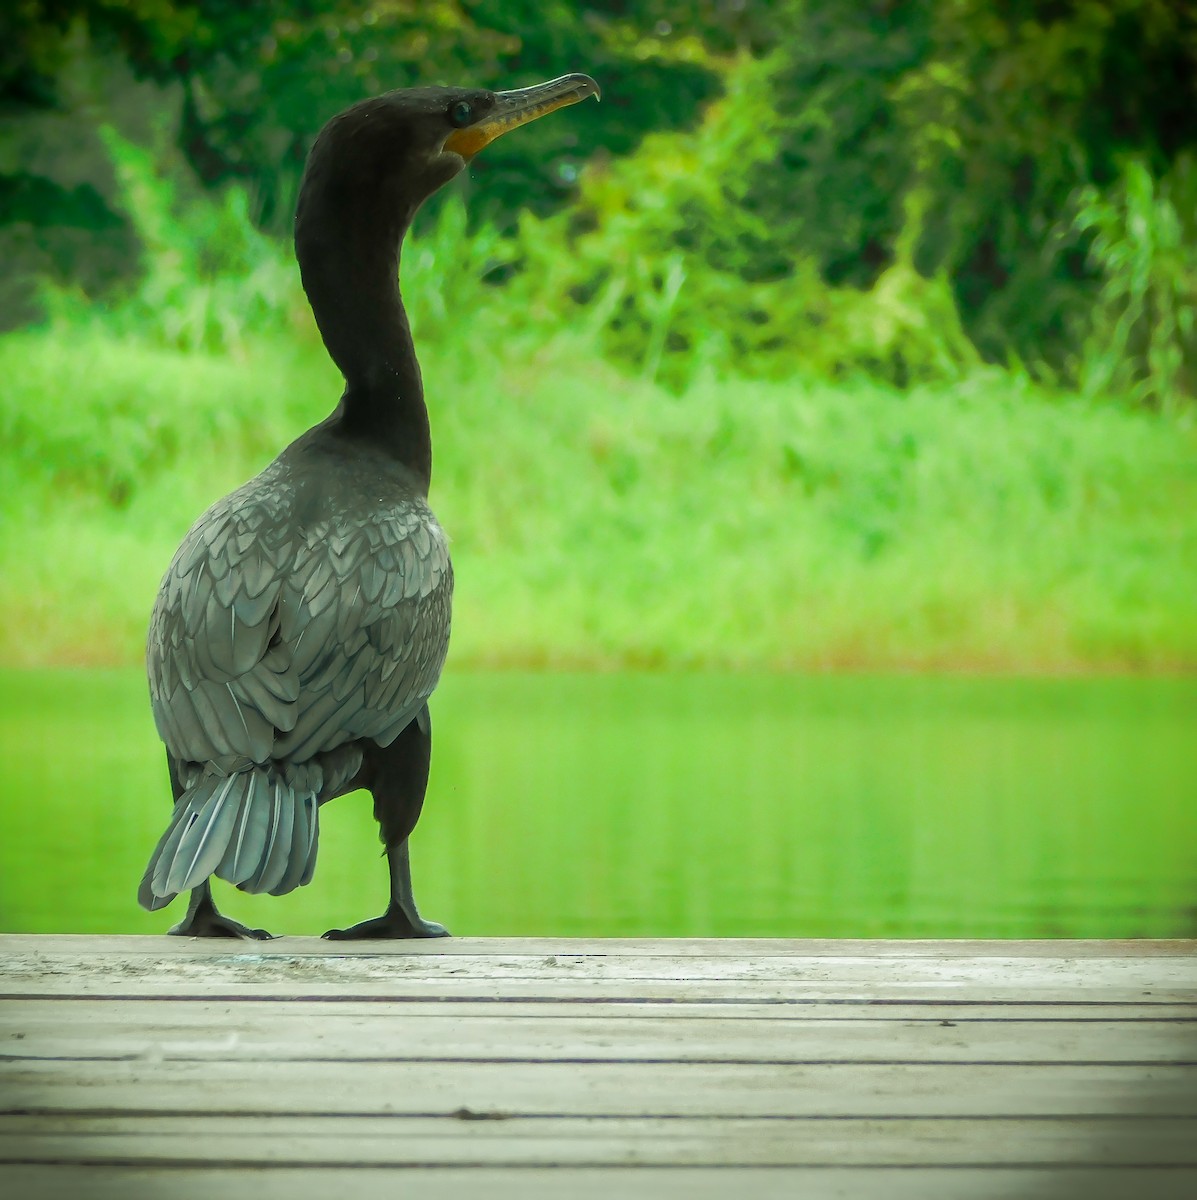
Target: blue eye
[461,114]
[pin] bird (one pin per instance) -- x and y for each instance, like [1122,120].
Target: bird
[303,622]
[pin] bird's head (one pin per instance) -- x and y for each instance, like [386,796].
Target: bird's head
[390,153]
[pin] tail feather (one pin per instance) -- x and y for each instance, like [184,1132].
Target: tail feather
[249,828]
[244,851]
[204,838]
[313,842]
[273,865]
[303,847]
[164,851]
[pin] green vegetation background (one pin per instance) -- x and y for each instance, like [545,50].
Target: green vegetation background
[841,335]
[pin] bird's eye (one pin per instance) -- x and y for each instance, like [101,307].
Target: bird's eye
[461,114]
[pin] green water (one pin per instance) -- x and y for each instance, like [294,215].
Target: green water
[673,805]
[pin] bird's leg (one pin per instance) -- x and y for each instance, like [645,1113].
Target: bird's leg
[401,919]
[203,920]
[398,778]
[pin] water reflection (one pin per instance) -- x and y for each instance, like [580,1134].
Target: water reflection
[677,805]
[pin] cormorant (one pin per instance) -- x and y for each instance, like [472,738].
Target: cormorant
[303,623]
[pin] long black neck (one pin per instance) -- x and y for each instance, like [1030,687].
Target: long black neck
[349,262]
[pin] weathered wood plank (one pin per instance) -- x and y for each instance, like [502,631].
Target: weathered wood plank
[209,1141]
[523,1068]
[1168,979]
[143,1010]
[581,991]
[229,1032]
[938,949]
[629,1183]
[600,1089]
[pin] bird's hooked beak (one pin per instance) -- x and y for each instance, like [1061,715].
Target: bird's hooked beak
[518,107]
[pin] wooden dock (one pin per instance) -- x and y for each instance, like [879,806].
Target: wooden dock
[167,1068]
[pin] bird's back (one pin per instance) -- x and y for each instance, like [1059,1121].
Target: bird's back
[305,611]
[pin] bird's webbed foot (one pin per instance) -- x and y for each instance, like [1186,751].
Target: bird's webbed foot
[203,920]
[394,923]
[218,925]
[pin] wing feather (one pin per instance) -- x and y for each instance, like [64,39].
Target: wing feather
[280,639]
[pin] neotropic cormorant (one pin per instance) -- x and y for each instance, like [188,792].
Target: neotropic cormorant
[303,623]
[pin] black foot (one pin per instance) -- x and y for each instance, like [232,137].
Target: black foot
[394,923]
[210,923]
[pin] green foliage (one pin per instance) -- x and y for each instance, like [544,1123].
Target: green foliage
[258,80]
[211,281]
[1143,340]
[450,278]
[888,190]
[208,275]
[242,89]
[956,133]
[671,261]
[1032,102]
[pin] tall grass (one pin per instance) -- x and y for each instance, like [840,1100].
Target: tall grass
[604,521]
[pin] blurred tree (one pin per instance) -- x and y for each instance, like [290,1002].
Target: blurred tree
[939,153]
[961,130]
[1021,105]
[258,81]
[935,153]
[250,85]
